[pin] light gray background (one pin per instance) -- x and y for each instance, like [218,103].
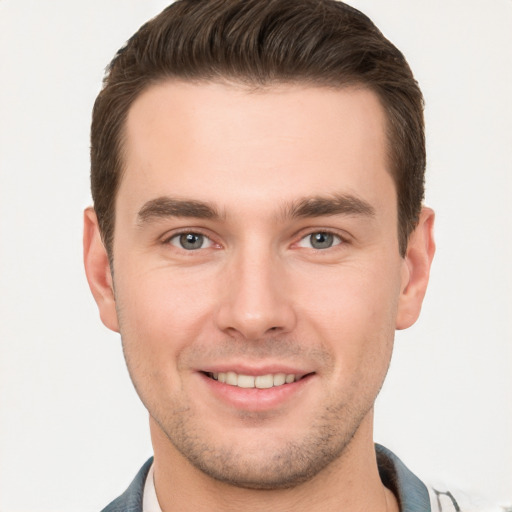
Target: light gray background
[72,431]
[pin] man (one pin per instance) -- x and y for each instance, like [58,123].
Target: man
[257,236]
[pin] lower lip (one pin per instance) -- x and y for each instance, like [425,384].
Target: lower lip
[255,399]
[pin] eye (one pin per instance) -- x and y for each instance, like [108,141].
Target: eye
[190,241]
[320,240]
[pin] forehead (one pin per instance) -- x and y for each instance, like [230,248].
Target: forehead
[222,142]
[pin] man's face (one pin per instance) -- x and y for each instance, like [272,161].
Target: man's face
[256,242]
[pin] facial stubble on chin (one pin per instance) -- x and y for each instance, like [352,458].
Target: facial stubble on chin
[287,465]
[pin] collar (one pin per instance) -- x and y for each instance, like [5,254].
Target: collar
[410,491]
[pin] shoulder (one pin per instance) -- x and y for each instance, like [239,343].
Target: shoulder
[131,499]
[414,495]
[445,499]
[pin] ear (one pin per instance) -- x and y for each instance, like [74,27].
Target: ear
[416,269]
[98,272]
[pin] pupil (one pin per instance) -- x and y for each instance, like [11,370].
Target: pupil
[321,240]
[191,241]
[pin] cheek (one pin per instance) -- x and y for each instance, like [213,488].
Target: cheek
[159,317]
[160,312]
[350,298]
[353,309]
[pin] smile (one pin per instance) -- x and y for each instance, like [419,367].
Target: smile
[250,381]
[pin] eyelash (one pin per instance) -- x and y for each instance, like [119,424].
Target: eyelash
[338,239]
[197,232]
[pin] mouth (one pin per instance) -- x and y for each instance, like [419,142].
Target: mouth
[270,380]
[257,390]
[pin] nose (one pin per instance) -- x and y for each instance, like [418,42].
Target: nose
[256,300]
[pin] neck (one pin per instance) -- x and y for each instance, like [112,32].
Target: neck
[350,482]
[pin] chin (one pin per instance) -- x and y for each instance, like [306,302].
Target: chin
[284,470]
[266,461]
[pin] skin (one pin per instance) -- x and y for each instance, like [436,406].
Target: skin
[256,173]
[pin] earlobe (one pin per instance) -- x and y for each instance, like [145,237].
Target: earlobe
[416,271]
[98,272]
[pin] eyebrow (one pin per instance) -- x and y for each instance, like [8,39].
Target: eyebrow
[163,207]
[308,207]
[337,204]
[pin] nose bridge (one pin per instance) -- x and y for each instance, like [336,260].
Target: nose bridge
[256,300]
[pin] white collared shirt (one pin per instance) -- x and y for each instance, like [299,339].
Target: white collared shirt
[150,500]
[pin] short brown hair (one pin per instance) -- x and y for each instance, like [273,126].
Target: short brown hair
[261,42]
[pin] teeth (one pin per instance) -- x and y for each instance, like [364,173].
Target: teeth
[249,381]
[264,381]
[232,378]
[245,381]
[280,379]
